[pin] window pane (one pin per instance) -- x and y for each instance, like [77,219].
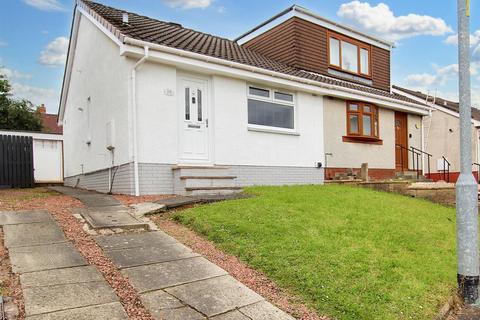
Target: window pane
[259,92]
[353,107]
[187,103]
[270,114]
[353,119]
[283,96]
[364,61]
[334,52]
[367,125]
[199,104]
[367,109]
[349,57]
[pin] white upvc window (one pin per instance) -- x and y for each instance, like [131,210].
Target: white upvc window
[271,109]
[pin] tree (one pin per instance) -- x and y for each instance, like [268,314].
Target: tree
[16,114]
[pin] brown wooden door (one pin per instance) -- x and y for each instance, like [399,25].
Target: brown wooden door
[401,154]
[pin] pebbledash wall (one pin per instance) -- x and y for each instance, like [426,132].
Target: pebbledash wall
[256,158]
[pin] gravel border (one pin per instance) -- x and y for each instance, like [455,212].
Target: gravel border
[253,279]
[59,206]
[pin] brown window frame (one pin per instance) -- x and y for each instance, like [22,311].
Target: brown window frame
[374,136]
[360,46]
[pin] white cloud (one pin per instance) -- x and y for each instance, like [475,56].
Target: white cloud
[189,4]
[55,53]
[36,95]
[3,44]
[45,5]
[381,20]
[474,39]
[14,74]
[440,77]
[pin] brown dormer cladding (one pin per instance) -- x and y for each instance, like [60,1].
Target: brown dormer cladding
[304,45]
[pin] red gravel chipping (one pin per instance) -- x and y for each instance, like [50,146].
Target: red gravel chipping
[59,206]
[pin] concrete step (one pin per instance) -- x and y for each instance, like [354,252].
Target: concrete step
[212,191]
[199,182]
[199,171]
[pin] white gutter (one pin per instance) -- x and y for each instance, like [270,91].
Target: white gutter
[134,120]
[231,64]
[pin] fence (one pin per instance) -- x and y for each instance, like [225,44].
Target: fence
[16,162]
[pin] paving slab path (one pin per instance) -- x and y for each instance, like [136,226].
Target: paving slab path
[174,282]
[102,211]
[57,283]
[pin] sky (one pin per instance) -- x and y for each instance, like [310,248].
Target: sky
[34,36]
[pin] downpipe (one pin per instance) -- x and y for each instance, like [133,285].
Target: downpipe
[134,120]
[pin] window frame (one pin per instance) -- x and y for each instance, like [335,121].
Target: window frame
[271,98]
[359,136]
[360,45]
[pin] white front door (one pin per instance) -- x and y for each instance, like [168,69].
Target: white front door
[193,102]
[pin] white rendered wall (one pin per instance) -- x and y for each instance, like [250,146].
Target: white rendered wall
[231,141]
[157,114]
[101,74]
[236,145]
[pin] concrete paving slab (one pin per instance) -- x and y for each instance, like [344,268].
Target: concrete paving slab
[60,276]
[160,300]
[265,311]
[22,235]
[184,313]
[94,199]
[232,315]
[120,218]
[140,256]
[40,300]
[177,201]
[45,257]
[147,208]
[216,295]
[173,273]
[163,306]
[134,240]
[109,311]
[25,216]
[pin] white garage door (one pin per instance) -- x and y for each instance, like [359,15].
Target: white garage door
[47,160]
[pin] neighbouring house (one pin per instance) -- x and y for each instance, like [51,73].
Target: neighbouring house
[152,107]
[441,136]
[47,148]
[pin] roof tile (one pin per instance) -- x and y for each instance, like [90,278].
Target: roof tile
[175,36]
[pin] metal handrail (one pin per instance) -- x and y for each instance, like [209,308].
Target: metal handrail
[415,155]
[446,169]
[428,159]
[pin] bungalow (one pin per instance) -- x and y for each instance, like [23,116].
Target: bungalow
[152,107]
[441,138]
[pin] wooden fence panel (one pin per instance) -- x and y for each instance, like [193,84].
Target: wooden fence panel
[16,162]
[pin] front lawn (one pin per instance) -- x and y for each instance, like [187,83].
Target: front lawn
[348,252]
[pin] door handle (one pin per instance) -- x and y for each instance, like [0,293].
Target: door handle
[206,123]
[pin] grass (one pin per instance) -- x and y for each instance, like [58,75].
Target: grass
[349,253]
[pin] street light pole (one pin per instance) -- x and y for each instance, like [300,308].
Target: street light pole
[466,187]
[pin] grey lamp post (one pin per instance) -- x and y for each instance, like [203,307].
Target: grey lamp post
[466,187]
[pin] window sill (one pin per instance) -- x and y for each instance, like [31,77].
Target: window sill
[362,139]
[272,130]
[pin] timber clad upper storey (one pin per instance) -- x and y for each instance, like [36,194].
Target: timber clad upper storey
[308,46]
